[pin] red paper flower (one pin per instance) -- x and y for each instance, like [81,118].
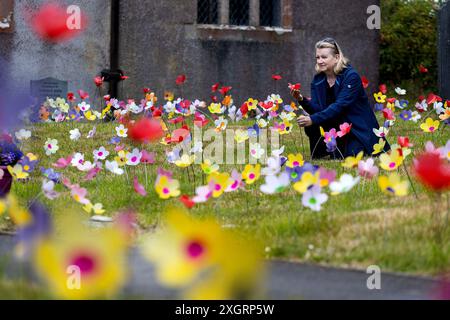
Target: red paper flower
[215,87]
[432,98]
[124,77]
[422,69]
[98,81]
[145,130]
[296,86]
[180,79]
[146,90]
[365,82]
[187,201]
[276,77]
[51,23]
[224,90]
[404,142]
[107,97]
[383,88]
[83,95]
[432,171]
[71,97]
[388,114]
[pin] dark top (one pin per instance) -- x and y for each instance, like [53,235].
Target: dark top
[330,94]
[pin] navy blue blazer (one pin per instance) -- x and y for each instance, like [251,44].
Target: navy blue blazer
[351,105]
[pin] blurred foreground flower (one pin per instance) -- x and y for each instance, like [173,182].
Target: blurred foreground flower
[432,171]
[212,263]
[82,263]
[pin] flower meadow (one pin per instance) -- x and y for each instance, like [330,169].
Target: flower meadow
[98,177]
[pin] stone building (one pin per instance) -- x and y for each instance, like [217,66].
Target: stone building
[239,43]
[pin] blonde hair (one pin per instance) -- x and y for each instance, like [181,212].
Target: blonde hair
[330,43]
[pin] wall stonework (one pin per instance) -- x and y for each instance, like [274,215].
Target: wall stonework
[159,39]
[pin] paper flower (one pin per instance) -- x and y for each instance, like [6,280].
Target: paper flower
[445,151]
[313,198]
[23,134]
[345,184]
[391,161]
[430,125]
[134,157]
[307,180]
[275,184]
[202,194]
[138,187]
[344,129]
[432,171]
[393,185]
[101,153]
[379,97]
[51,146]
[17,172]
[48,188]
[208,167]
[91,133]
[218,183]
[75,134]
[256,151]
[113,167]
[381,133]
[251,173]
[216,108]
[166,187]
[121,131]
[241,135]
[80,263]
[145,130]
[84,106]
[235,181]
[221,124]
[273,166]
[94,208]
[415,116]
[352,162]
[367,169]
[379,147]
[295,160]
[400,91]
[185,160]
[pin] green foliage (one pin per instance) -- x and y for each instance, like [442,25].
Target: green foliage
[408,39]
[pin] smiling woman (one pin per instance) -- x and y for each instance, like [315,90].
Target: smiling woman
[337,97]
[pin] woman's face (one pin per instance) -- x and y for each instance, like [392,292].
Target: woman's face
[326,60]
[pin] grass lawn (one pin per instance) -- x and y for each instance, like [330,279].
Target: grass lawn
[355,229]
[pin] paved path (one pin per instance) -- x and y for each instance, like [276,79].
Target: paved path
[286,281]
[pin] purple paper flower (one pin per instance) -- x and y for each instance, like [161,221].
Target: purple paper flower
[331,145]
[10,154]
[406,115]
[294,173]
[379,106]
[51,174]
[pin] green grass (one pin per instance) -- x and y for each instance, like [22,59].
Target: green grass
[356,229]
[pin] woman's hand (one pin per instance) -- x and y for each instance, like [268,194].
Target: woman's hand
[304,121]
[296,95]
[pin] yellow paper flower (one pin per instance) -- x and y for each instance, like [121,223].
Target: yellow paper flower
[185,160]
[379,97]
[166,187]
[430,125]
[20,216]
[295,160]
[208,167]
[379,147]
[307,180]
[90,116]
[393,185]
[96,208]
[202,256]
[252,104]
[168,95]
[215,108]
[121,158]
[352,162]
[17,172]
[391,161]
[241,135]
[219,182]
[80,263]
[251,173]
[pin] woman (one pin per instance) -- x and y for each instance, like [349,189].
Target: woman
[337,96]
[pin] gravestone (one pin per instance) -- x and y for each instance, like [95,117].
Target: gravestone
[444,50]
[47,87]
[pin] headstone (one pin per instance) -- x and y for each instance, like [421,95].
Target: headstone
[47,87]
[444,50]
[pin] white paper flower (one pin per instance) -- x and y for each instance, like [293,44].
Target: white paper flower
[273,167]
[75,134]
[134,157]
[346,183]
[382,132]
[86,166]
[256,151]
[275,184]
[400,91]
[313,198]
[48,189]
[84,106]
[121,131]
[77,159]
[23,134]
[278,152]
[415,116]
[51,146]
[101,153]
[113,167]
